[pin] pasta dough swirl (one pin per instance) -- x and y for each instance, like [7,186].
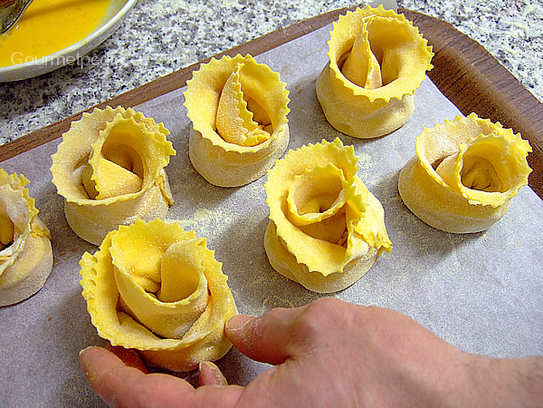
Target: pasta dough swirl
[377,59]
[326,229]
[110,169]
[238,110]
[26,255]
[465,173]
[157,288]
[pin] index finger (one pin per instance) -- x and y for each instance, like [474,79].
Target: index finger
[284,333]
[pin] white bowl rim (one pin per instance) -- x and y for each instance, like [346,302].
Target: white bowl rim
[96,34]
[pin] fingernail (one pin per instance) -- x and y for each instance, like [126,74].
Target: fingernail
[237,322]
[84,351]
[84,364]
[218,379]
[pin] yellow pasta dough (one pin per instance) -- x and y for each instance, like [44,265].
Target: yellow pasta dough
[465,173]
[326,229]
[157,288]
[26,255]
[238,110]
[377,59]
[110,169]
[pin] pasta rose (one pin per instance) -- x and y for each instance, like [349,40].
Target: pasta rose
[326,229]
[110,170]
[157,288]
[377,59]
[26,255]
[238,110]
[464,174]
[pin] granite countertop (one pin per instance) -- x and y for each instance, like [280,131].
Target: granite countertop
[161,36]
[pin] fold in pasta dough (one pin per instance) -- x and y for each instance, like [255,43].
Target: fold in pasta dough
[326,229]
[238,110]
[26,255]
[110,169]
[465,173]
[157,288]
[377,59]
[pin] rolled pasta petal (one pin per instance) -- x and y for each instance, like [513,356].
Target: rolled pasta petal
[361,67]
[235,122]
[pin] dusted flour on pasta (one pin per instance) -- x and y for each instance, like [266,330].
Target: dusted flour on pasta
[465,173]
[326,229]
[377,59]
[26,256]
[157,288]
[110,170]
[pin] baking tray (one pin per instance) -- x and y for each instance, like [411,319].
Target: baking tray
[465,73]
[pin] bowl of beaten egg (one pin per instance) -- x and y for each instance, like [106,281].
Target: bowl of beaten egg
[53,33]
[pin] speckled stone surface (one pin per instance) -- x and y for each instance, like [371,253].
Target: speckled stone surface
[162,36]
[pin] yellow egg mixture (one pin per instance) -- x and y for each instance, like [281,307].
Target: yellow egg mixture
[48,26]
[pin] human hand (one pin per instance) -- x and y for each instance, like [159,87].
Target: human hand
[328,353]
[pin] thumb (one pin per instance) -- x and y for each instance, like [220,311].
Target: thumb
[271,338]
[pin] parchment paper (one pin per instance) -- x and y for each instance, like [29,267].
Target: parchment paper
[481,292]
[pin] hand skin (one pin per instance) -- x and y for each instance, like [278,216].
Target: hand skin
[328,353]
